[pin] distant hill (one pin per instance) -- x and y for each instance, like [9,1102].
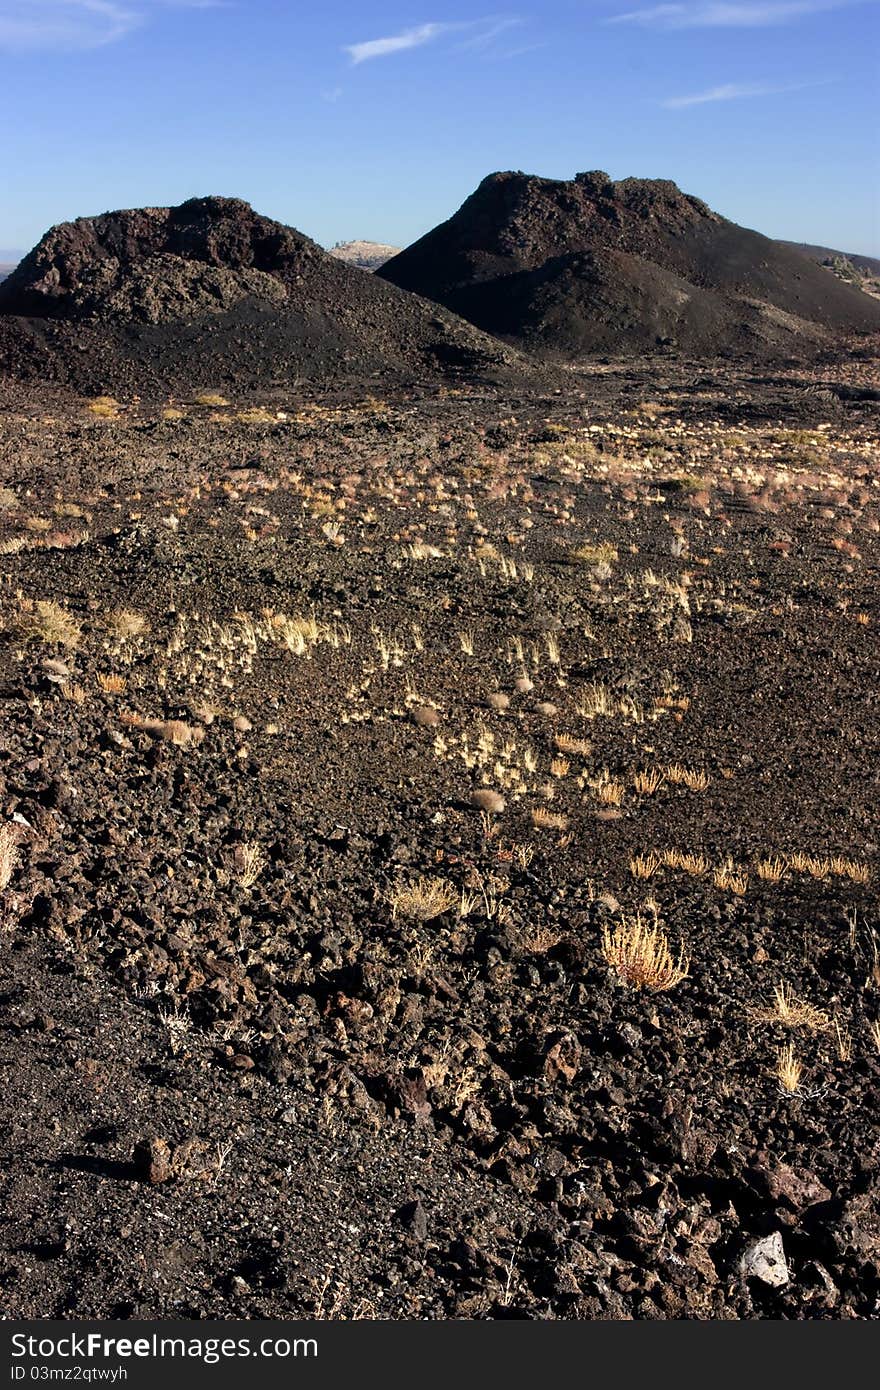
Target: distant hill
[569,268]
[211,293]
[366,255]
[861,271]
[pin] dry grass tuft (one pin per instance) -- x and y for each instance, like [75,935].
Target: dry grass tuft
[791,1012]
[112,684]
[45,621]
[694,864]
[105,407]
[641,956]
[843,1042]
[645,865]
[602,553]
[124,624]
[549,820]
[649,781]
[211,398]
[174,731]
[853,869]
[567,743]
[608,791]
[423,900]
[250,861]
[256,415]
[788,1070]
[772,870]
[73,692]
[596,699]
[694,779]
[730,879]
[811,864]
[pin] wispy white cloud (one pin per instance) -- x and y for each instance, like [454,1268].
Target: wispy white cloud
[725,14]
[737,91]
[477,34]
[78,24]
[395,43]
[489,30]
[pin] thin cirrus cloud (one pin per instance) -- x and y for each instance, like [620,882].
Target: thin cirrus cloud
[476,34]
[726,14]
[79,24]
[738,91]
[395,43]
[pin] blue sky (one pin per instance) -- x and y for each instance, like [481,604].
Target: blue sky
[376,121]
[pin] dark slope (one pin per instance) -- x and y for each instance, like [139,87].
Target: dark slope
[210,293]
[591,264]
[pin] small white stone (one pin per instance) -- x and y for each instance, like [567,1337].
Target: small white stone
[765,1260]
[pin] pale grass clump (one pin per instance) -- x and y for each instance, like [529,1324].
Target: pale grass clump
[843,1042]
[596,700]
[421,550]
[543,819]
[523,854]
[540,940]
[211,398]
[789,1070]
[874,1031]
[641,956]
[175,731]
[256,415]
[853,869]
[772,869]
[74,693]
[693,778]
[609,792]
[649,781]
[45,621]
[791,1012]
[811,864]
[600,553]
[8,854]
[250,861]
[567,743]
[694,864]
[105,407]
[645,865]
[730,879]
[423,900]
[112,684]
[125,624]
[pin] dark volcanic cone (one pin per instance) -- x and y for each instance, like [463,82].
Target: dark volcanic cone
[210,293]
[592,265]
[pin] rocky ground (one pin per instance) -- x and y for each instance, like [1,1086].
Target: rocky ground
[355,752]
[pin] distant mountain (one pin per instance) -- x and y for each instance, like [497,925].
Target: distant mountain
[568,268]
[366,255]
[861,271]
[212,293]
[8,261]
